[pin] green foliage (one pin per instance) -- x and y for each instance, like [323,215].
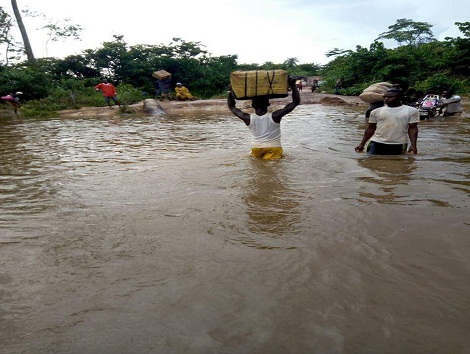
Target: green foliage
[304,70]
[440,82]
[32,82]
[409,32]
[336,51]
[41,108]
[424,64]
[459,50]
[57,31]
[128,94]
[6,39]
[291,62]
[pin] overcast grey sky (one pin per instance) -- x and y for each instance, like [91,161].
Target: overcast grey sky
[256,30]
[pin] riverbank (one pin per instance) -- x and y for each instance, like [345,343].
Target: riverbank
[213,105]
[151,106]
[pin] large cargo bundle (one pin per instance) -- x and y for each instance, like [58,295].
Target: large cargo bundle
[374,93]
[254,83]
[161,74]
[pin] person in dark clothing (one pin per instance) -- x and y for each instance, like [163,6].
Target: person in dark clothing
[338,86]
[413,97]
[163,88]
[373,106]
[314,85]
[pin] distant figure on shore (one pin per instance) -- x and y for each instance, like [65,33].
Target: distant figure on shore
[390,126]
[13,100]
[109,92]
[162,88]
[451,105]
[182,93]
[314,85]
[338,86]
[73,98]
[299,85]
[265,126]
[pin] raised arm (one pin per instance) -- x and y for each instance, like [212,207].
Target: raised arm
[277,115]
[238,112]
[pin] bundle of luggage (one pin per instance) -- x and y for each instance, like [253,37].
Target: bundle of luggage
[255,83]
[161,74]
[374,93]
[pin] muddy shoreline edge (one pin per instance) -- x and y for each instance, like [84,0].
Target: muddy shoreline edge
[212,105]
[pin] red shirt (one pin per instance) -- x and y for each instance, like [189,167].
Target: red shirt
[107,89]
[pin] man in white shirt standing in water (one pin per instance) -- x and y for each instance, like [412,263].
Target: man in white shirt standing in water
[390,127]
[265,126]
[451,104]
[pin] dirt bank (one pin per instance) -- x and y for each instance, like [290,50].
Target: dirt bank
[213,105]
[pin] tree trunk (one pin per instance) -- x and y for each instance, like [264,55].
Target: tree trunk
[24,34]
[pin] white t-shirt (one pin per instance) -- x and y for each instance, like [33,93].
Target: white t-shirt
[266,132]
[392,123]
[454,104]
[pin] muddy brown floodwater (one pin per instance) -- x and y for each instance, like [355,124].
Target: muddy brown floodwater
[161,235]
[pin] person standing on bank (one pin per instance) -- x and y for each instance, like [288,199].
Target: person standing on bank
[163,87]
[265,126]
[314,85]
[390,127]
[338,86]
[109,92]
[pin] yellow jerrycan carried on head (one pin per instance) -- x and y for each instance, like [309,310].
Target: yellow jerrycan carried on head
[255,83]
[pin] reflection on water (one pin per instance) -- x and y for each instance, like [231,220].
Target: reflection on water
[160,234]
[389,173]
[270,202]
[390,170]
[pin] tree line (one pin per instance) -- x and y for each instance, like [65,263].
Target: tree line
[419,61]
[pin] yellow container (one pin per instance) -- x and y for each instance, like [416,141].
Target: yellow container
[254,83]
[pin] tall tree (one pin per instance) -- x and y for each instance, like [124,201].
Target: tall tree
[459,55]
[5,35]
[409,32]
[291,62]
[19,20]
[60,31]
[337,52]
